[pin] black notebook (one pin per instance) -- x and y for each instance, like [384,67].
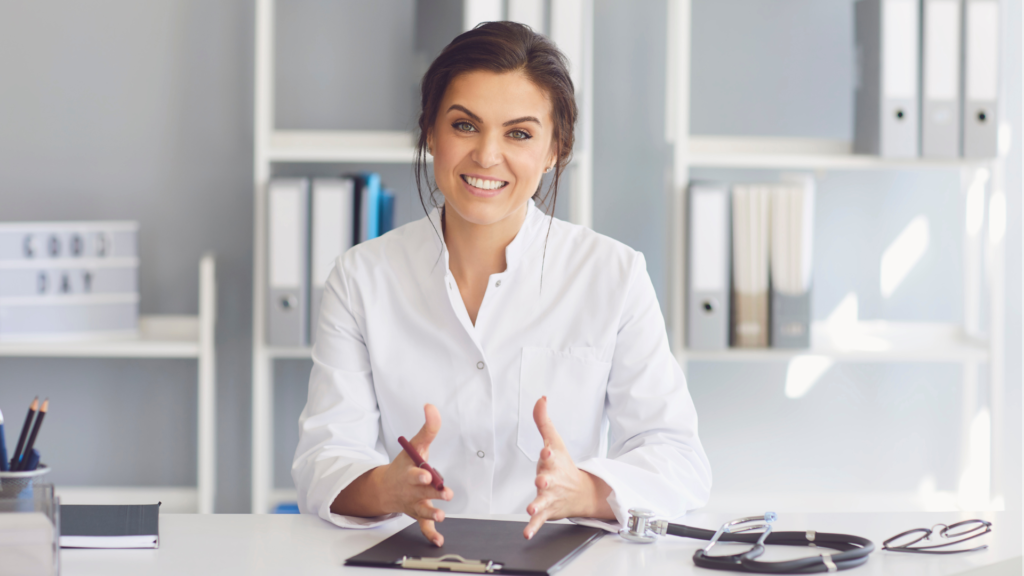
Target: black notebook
[482,545]
[103,526]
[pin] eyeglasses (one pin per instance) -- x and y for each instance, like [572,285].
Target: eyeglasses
[954,533]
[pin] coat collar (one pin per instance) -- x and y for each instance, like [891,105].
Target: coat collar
[514,252]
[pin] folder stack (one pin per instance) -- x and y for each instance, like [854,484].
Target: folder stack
[310,223]
[928,78]
[68,280]
[749,264]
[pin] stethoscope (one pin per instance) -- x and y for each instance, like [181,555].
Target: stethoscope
[852,550]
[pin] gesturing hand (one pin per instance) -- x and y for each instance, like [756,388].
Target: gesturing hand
[408,489]
[563,490]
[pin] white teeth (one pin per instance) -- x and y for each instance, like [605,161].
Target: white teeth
[484,184]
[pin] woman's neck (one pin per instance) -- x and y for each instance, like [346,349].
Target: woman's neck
[475,250]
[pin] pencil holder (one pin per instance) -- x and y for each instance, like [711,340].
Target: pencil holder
[18,485]
[30,533]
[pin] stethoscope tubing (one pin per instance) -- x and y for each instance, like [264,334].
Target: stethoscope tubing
[853,551]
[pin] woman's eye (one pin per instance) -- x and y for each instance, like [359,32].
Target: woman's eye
[520,135]
[463,127]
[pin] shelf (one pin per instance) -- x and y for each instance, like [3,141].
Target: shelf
[159,337]
[288,352]
[871,341]
[801,153]
[387,147]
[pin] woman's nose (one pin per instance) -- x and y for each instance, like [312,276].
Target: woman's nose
[488,152]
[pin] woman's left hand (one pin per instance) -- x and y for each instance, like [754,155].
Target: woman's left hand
[563,490]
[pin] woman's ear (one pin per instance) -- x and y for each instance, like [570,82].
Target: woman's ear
[552,158]
[430,141]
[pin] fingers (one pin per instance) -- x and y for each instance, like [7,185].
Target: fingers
[539,504]
[431,426]
[422,510]
[423,489]
[427,527]
[535,523]
[544,423]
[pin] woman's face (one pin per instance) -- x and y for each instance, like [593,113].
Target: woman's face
[491,142]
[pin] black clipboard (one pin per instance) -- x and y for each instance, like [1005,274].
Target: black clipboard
[482,547]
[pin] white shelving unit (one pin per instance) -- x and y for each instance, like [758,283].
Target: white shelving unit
[571,25]
[179,336]
[883,342]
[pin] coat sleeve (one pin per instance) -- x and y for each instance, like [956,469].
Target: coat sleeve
[655,459]
[339,427]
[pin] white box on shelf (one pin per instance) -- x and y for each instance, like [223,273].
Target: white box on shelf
[68,281]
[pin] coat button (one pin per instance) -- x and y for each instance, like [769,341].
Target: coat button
[497,284]
[480,365]
[480,454]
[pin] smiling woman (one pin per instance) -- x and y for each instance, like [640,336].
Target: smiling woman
[541,343]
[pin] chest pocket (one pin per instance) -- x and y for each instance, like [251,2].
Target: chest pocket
[574,382]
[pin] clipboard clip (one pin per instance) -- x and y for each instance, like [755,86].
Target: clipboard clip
[449,563]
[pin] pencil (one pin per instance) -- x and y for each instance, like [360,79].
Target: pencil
[32,437]
[3,446]
[16,457]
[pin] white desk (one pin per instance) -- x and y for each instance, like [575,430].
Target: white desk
[195,545]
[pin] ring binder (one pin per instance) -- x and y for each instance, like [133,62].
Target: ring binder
[450,563]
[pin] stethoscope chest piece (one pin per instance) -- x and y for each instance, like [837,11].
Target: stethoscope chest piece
[642,527]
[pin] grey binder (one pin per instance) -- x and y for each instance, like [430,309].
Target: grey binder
[792,243]
[288,262]
[940,78]
[333,231]
[791,320]
[886,100]
[708,253]
[981,78]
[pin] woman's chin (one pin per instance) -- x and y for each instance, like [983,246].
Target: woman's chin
[484,212]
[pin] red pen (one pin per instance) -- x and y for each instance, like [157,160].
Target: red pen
[421,463]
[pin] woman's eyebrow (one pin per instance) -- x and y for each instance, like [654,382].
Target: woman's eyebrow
[523,119]
[466,110]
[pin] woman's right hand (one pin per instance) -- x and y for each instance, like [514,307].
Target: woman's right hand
[406,488]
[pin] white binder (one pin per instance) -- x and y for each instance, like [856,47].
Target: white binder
[981,78]
[940,78]
[708,255]
[333,230]
[888,64]
[288,262]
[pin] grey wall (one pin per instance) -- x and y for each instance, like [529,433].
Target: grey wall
[138,111]
[143,111]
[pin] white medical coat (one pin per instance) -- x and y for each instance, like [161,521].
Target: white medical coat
[393,334]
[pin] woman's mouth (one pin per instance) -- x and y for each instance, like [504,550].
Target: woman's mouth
[483,186]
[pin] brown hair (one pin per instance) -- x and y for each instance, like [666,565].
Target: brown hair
[501,47]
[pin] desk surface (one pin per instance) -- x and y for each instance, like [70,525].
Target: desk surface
[196,545]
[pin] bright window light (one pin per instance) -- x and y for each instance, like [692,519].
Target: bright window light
[904,252]
[975,482]
[997,217]
[804,372]
[845,313]
[976,202]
